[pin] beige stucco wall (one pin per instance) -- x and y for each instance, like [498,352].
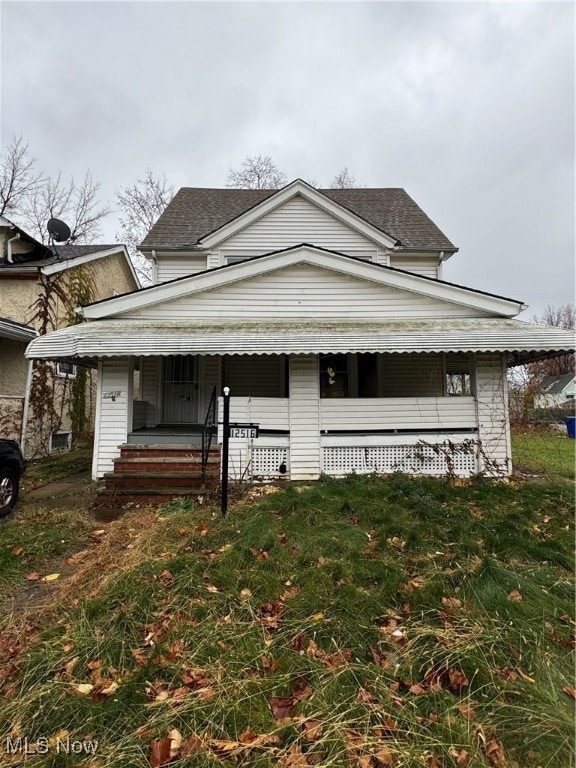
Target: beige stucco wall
[13,368]
[109,275]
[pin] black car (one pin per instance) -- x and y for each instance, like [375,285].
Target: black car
[11,468]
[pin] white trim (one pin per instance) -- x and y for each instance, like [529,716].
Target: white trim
[64,264]
[303,254]
[297,187]
[96,453]
[64,375]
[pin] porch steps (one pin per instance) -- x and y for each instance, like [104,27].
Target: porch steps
[158,473]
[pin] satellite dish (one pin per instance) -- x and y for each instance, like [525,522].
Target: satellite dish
[58,230]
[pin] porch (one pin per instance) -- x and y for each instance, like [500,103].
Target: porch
[316,414]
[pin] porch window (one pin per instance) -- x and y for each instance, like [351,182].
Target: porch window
[334,376]
[457,381]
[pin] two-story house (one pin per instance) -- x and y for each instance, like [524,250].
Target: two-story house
[326,314]
[38,290]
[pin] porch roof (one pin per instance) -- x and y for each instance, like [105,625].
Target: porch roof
[121,338]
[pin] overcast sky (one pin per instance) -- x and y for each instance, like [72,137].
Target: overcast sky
[468,106]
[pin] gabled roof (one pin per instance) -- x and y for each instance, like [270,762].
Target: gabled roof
[65,253]
[195,213]
[554,385]
[303,253]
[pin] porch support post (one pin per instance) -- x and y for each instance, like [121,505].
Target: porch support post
[113,412]
[304,418]
[491,391]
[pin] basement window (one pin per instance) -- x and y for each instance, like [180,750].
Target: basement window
[60,441]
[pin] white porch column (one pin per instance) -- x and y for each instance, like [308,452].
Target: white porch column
[491,390]
[304,418]
[113,413]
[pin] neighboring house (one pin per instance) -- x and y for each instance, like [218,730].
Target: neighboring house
[27,267]
[325,313]
[556,391]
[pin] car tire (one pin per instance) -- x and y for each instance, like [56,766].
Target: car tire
[9,488]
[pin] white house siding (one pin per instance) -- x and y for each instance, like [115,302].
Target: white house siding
[114,406]
[304,290]
[443,414]
[427,266]
[171,267]
[304,418]
[298,221]
[492,403]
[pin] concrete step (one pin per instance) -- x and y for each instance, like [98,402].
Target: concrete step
[175,451]
[138,480]
[118,497]
[170,464]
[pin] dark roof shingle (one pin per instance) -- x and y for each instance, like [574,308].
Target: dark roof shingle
[196,212]
[65,253]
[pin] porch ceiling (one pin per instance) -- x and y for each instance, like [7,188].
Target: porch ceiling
[122,338]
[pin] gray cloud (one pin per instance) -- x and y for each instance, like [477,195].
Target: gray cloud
[469,106]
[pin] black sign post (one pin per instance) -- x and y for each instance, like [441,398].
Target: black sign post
[225,450]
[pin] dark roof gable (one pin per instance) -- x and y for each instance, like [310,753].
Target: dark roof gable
[196,212]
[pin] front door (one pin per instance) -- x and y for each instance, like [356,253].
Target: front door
[180,390]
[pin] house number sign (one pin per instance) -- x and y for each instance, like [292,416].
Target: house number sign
[244,430]
[110,395]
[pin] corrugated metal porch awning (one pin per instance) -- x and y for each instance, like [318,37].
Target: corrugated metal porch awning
[89,342]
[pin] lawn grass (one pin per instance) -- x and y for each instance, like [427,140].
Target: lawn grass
[544,452]
[362,622]
[42,528]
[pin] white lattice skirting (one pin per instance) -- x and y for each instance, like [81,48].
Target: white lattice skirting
[411,459]
[266,461]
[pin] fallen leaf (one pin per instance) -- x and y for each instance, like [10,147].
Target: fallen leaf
[293,758]
[245,594]
[175,742]
[34,576]
[458,680]
[462,758]
[212,588]
[451,602]
[569,691]
[159,753]
[191,745]
[68,669]
[110,689]
[494,752]
[17,550]
[435,762]
[417,690]
[364,696]
[166,579]
[84,688]
[467,712]
[313,730]
[515,596]
[365,761]
[322,560]
[385,758]
[51,577]
[282,706]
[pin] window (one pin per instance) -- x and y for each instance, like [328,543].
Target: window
[333,376]
[60,441]
[66,370]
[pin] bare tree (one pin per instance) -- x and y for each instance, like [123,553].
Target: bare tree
[140,205]
[563,316]
[76,204]
[344,179]
[257,172]
[32,198]
[18,178]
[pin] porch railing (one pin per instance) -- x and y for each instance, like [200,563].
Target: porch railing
[208,431]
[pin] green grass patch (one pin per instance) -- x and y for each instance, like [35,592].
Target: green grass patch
[544,452]
[332,624]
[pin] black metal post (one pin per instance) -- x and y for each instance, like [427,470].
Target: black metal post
[225,448]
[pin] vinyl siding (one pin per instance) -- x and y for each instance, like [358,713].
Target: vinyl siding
[113,421]
[298,221]
[492,399]
[304,290]
[171,267]
[398,413]
[304,418]
[427,266]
